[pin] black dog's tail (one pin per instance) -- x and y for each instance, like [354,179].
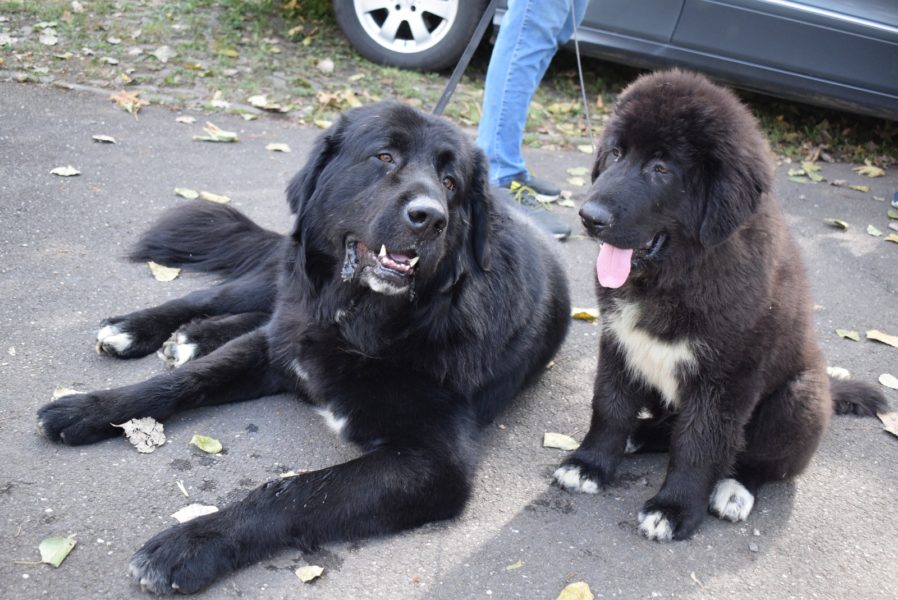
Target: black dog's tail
[208,238]
[856,398]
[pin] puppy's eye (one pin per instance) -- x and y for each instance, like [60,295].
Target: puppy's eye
[616,152]
[449,183]
[659,168]
[385,157]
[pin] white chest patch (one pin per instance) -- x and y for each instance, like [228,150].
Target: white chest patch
[654,361]
[334,423]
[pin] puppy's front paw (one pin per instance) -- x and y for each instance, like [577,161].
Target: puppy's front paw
[178,349]
[665,521]
[131,336]
[576,475]
[186,558]
[113,340]
[730,500]
[76,419]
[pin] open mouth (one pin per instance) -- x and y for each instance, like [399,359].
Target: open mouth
[387,271]
[614,264]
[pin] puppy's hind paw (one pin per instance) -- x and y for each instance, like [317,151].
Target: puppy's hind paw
[731,501]
[177,350]
[113,341]
[576,477]
[655,526]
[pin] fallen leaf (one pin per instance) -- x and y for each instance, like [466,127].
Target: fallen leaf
[578,171]
[838,182]
[64,56]
[105,139]
[114,40]
[309,573]
[860,188]
[130,101]
[799,180]
[67,171]
[879,336]
[48,40]
[109,61]
[144,434]
[585,314]
[163,273]
[515,566]
[567,203]
[186,119]
[810,167]
[326,66]
[838,223]
[261,101]
[889,422]
[838,373]
[893,214]
[55,549]
[578,181]
[278,147]
[579,590]
[891,238]
[889,380]
[559,441]
[869,171]
[77,7]
[849,334]
[214,133]
[322,123]
[796,172]
[60,391]
[187,193]
[249,117]
[873,231]
[207,444]
[586,148]
[182,488]
[192,511]
[214,197]
[163,54]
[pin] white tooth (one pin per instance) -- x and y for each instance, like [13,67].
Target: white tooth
[383,251]
[414,261]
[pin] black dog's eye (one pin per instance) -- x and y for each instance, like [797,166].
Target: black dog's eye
[616,152]
[659,168]
[449,183]
[385,157]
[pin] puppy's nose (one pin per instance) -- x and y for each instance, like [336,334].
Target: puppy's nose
[595,217]
[425,215]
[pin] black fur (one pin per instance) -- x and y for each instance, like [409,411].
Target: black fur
[684,176]
[413,358]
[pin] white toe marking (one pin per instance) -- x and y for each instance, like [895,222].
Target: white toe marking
[568,477]
[335,423]
[731,501]
[183,353]
[631,446]
[655,526]
[112,336]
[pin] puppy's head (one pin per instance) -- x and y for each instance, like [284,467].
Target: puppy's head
[681,162]
[391,199]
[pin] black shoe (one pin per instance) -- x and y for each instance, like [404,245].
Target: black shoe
[545,191]
[526,202]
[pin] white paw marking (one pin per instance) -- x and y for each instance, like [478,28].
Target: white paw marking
[334,423]
[655,526]
[632,447]
[731,501]
[177,350]
[568,477]
[111,336]
[654,361]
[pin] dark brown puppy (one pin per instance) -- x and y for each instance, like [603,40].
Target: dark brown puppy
[706,314]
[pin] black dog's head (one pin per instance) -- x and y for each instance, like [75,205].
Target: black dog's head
[681,161]
[391,198]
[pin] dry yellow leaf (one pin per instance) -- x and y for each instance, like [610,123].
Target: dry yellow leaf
[559,441]
[214,197]
[309,573]
[578,590]
[163,273]
[585,314]
[885,338]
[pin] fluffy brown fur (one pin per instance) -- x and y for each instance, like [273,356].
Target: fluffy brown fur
[707,318]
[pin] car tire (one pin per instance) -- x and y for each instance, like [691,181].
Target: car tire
[414,38]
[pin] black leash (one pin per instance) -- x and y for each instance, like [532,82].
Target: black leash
[466,57]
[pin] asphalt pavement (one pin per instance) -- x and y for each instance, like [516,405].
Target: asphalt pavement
[829,534]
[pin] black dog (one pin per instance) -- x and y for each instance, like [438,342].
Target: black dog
[707,343]
[410,308]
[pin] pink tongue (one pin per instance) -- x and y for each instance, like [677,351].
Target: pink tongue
[400,258]
[613,266]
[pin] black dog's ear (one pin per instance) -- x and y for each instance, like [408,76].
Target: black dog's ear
[482,213]
[304,183]
[732,192]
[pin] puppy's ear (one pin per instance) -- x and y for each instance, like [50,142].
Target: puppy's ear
[304,183]
[732,192]
[482,213]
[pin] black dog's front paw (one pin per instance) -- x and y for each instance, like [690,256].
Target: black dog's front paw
[129,337]
[665,521]
[185,558]
[75,420]
[578,475]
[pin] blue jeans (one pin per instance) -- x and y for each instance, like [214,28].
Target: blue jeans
[530,34]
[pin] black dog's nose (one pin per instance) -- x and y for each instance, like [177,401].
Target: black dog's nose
[595,217]
[425,215]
